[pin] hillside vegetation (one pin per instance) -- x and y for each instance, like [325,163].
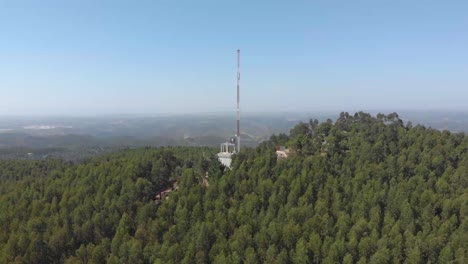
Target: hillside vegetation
[360,190]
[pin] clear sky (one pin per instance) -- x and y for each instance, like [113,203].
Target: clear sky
[105,57]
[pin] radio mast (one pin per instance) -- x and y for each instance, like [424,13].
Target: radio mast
[227,149]
[238,101]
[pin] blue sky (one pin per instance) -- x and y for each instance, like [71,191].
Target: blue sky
[110,57]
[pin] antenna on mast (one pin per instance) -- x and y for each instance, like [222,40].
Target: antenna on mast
[238,100]
[227,149]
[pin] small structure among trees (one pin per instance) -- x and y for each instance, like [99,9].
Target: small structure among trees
[282,152]
[165,193]
[227,149]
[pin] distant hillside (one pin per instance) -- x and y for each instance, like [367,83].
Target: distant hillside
[75,138]
[78,138]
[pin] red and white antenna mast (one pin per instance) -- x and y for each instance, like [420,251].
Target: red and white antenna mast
[238,101]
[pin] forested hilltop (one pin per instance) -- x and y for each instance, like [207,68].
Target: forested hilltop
[363,189]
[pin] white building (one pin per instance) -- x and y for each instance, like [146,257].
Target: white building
[225,154]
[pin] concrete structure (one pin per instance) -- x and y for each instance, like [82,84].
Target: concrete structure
[227,149]
[282,152]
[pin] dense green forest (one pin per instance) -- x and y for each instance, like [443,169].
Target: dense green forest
[362,189]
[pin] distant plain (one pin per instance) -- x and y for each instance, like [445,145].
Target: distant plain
[76,138]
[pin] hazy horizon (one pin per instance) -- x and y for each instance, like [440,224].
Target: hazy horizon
[149,58]
[232,113]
